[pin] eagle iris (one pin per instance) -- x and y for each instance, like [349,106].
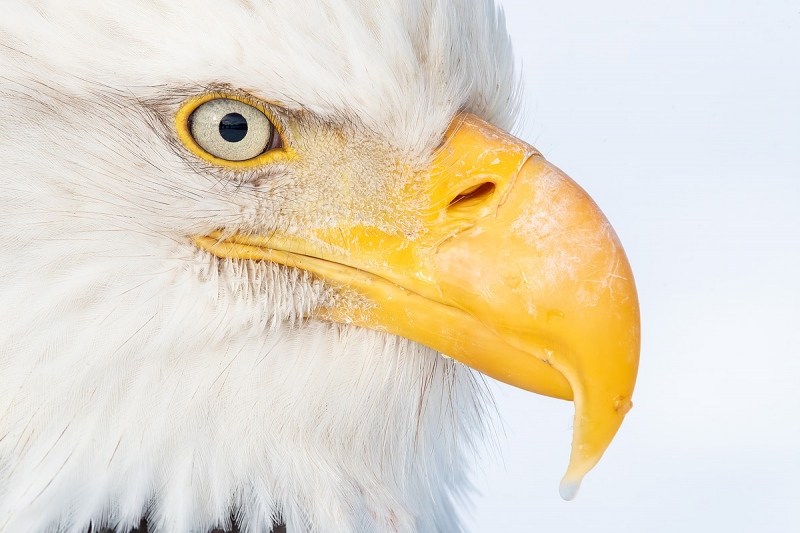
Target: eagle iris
[232,130]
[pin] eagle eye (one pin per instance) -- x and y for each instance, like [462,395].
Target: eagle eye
[232,130]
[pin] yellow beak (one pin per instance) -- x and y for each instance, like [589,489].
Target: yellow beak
[517,274]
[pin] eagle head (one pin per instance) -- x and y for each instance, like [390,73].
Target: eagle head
[239,238]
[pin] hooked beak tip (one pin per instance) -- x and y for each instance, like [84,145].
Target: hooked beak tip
[568,489]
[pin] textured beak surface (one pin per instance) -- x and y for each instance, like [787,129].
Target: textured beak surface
[517,274]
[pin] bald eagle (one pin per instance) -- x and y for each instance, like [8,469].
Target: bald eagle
[253,252]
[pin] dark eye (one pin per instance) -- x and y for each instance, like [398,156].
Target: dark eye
[233,127]
[232,130]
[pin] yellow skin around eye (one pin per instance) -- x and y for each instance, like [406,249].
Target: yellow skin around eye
[186,137]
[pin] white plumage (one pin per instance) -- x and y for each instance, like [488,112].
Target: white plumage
[142,377]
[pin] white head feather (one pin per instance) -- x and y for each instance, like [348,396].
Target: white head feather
[141,377]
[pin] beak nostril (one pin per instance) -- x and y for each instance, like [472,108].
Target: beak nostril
[474,195]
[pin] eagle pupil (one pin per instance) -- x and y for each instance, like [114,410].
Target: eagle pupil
[233,127]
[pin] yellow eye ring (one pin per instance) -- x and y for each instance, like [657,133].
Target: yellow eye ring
[182,127]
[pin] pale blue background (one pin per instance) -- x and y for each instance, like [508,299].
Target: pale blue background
[682,120]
